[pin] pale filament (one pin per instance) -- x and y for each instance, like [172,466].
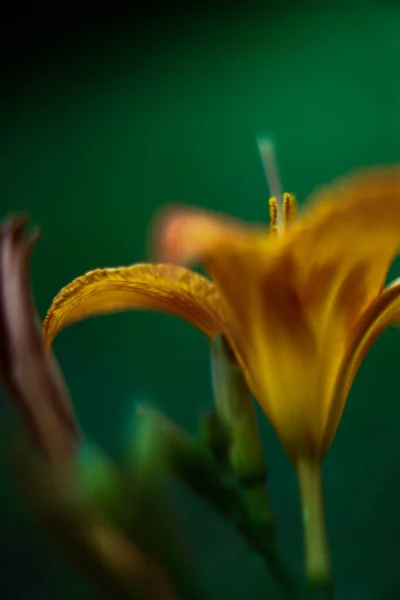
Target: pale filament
[281,208]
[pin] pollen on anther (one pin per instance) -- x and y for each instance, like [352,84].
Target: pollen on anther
[273,214]
[288,208]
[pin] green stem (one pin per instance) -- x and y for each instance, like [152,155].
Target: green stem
[317,556]
[195,466]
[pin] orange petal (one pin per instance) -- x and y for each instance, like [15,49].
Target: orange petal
[384,311]
[355,218]
[365,200]
[343,247]
[161,287]
[230,250]
[347,237]
[183,235]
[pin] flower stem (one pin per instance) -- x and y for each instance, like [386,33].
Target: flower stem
[190,461]
[318,563]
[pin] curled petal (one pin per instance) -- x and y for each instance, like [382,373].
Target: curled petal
[384,311]
[164,288]
[232,252]
[30,375]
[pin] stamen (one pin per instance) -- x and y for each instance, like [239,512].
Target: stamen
[267,152]
[273,215]
[288,208]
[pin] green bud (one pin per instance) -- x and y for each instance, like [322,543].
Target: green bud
[185,456]
[236,412]
[156,523]
[101,484]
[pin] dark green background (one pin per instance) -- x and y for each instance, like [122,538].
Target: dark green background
[96,136]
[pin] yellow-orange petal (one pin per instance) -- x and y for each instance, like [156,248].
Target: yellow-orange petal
[165,288]
[357,215]
[182,235]
[343,246]
[230,250]
[384,311]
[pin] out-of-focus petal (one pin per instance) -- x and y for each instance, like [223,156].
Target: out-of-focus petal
[30,374]
[184,236]
[165,288]
[384,311]
[351,225]
[343,246]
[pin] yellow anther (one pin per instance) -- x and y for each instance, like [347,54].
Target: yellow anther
[288,208]
[273,214]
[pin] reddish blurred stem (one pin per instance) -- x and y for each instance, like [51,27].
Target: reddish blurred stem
[29,374]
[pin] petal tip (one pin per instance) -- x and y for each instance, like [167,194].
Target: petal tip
[13,231]
[167,236]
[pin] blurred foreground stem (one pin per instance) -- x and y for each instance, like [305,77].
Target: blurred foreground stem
[189,460]
[115,565]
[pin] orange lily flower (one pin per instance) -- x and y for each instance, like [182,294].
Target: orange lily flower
[301,304]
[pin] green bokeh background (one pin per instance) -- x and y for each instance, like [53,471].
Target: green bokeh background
[99,135]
